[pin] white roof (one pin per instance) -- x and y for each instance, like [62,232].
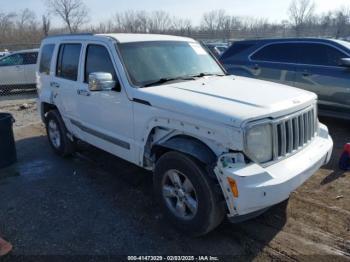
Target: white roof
[120,37]
[128,38]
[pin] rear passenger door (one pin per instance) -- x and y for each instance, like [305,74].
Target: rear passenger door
[275,62]
[29,64]
[105,117]
[65,81]
[319,71]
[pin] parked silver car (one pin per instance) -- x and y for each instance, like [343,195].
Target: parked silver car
[17,70]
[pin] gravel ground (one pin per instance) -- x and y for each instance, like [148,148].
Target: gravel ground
[95,204]
[22,107]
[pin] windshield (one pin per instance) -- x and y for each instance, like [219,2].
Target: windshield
[147,62]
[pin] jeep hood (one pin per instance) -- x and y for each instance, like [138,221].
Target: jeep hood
[229,99]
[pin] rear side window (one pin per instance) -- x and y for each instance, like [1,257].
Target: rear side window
[68,61]
[319,54]
[235,49]
[30,58]
[284,52]
[46,57]
[98,60]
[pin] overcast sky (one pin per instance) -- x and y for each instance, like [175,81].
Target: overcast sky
[100,10]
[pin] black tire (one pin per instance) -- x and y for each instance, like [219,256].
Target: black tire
[210,206]
[66,147]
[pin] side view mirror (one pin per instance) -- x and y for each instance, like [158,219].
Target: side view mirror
[345,62]
[101,81]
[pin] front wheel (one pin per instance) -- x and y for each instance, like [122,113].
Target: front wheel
[187,194]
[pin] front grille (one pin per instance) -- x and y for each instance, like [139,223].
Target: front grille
[292,133]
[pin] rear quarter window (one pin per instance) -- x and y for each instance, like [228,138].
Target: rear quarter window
[30,58]
[320,54]
[46,57]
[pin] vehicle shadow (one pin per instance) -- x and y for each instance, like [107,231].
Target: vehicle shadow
[333,176]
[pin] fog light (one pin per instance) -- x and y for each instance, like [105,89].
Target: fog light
[233,186]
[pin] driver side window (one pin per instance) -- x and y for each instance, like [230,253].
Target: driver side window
[98,60]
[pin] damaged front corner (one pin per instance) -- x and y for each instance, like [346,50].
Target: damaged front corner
[229,186]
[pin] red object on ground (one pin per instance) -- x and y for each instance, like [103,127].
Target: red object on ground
[5,247]
[347,148]
[344,161]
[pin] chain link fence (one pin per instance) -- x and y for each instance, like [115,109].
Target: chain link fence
[17,68]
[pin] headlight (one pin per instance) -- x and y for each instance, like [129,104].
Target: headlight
[259,143]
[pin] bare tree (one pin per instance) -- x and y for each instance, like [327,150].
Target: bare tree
[26,25]
[215,21]
[130,21]
[159,21]
[182,26]
[341,22]
[300,12]
[325,22]
[73,13]
[46,23]
[6,26]
[26,18]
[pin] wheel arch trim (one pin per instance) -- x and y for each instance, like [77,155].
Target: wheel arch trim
[190,146]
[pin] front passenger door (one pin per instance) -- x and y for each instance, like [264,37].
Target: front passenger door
[12,70]
[274,62]
[105,117]
[319,72]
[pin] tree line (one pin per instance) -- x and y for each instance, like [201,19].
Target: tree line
[25,27]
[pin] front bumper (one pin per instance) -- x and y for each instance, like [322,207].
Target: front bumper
[261,187]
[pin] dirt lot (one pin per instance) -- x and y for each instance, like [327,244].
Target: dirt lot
[96,204]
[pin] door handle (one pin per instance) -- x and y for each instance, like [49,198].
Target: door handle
[83,92]
[54,84]
[256,67]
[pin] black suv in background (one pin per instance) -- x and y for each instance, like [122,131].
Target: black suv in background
[321,66]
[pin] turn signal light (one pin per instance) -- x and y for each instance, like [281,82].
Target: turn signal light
[233,186]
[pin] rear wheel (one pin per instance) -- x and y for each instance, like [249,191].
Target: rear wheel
[187,194]
[57,134]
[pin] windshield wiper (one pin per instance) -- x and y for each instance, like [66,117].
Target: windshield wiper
[169,79]
[190,77]
[207,74]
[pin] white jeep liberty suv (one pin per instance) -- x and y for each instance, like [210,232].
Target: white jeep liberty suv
[218,144]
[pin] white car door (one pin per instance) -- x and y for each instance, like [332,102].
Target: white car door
[65,81]
[29,64]
[12,70]
[105,117]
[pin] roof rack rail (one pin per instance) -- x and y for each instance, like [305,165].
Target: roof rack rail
[59,35]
